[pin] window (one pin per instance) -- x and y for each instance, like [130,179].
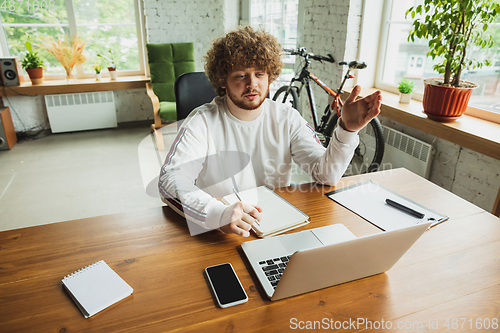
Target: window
[404,59]
[101,24]
[279,18]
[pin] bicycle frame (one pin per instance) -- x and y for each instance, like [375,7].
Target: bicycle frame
[335,101]
[326,126]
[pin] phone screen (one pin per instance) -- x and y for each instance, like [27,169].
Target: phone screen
[226,285]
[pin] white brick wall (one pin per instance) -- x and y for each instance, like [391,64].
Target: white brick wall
[27,112]
[466,173]
[175,21]
[330,26]
[132,105]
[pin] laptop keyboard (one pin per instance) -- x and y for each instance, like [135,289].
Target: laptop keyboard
[274,268]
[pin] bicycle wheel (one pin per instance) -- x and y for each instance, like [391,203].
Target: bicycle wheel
[370,151]
[291,98]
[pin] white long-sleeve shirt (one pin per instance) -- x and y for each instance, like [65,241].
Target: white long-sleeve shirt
[214,153]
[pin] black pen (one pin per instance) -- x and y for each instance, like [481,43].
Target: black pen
[405,209]
[237,195]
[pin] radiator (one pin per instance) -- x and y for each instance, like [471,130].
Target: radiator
[402,150]
[81,111]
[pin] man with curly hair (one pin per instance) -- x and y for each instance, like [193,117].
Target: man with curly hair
[242,139]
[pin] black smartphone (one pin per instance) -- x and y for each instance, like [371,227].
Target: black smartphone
[225,284]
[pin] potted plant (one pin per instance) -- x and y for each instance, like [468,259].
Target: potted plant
[33,64]
[405,88]
[112,64]
[97,69]
[452,27]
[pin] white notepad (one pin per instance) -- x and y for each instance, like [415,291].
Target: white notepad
[278,215]
[96,287]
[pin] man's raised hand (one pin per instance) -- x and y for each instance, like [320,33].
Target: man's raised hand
[357,113]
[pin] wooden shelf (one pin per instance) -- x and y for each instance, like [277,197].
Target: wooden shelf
[470,132]
[477,134]
[81,85]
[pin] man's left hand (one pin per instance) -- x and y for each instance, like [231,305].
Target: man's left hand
[357,113]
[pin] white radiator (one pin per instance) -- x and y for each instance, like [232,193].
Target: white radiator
[81,111]
[402,150]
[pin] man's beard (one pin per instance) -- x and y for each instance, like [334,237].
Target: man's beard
[246,105]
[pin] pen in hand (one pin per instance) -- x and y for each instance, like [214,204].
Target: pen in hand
[237,195]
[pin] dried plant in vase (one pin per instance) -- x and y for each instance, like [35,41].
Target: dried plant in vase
[68,52]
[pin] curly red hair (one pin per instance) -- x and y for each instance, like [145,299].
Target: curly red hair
[242,48]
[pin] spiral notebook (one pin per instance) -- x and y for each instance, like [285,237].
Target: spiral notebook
[96,287]
[278,215]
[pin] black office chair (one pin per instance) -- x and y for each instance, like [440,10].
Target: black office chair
[192,90]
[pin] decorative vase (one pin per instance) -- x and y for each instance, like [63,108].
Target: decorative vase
[98,76]
[70,78]
[112,73]
[36,75]
[443,103]
[404,98]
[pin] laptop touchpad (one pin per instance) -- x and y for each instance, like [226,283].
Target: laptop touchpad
[300,241]
[332,234]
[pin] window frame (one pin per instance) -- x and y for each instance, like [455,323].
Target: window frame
[246,18]
[73,28]
[378,83]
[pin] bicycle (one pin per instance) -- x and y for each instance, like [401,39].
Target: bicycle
[370,151]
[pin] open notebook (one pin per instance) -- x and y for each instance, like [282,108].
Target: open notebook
[96,287]
[278,215]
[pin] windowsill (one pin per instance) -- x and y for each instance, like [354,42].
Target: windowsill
[81,85]
[470,132]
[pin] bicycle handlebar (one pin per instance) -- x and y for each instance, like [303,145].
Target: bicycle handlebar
[354,64]
[301,51]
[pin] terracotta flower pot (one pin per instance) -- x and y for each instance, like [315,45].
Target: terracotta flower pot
[36,75]
[446,104]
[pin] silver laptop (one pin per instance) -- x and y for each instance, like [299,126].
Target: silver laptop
[322,257]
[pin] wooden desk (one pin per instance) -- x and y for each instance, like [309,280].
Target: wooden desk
[451,272]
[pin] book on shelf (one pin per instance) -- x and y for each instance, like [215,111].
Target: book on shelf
[278,215]
[96,287]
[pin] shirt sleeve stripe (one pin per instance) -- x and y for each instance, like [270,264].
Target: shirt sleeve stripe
[314,133]
[174,146]
[172,200]
[185,209]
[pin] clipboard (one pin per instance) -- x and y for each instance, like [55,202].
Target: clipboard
[368,200]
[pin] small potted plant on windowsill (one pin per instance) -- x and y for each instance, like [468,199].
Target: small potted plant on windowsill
[97,69]
[33,65]
[405,88]
[112,64]
[453,28]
